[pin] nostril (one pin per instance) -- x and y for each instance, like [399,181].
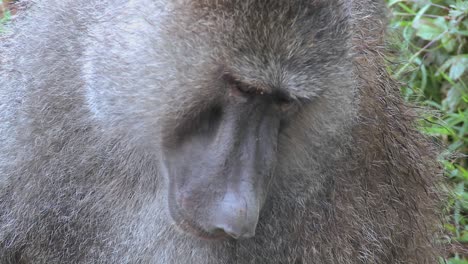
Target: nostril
[235,233]
[236,215]
[241,236]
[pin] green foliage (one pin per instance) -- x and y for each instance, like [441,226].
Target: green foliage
[4,17]
[433,63]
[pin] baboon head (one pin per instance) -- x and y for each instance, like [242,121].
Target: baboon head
[235,96]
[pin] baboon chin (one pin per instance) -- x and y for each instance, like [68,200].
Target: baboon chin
[209,132]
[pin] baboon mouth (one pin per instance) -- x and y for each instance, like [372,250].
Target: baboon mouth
[198,232]
[190,227]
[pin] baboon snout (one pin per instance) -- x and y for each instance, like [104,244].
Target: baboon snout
[236,216]
[218,173]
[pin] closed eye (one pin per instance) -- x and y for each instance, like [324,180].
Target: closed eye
[281,98]
[249,90]
[242,89]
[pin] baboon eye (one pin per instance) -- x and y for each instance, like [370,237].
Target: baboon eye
[284,102]
[248,90]
[241,89]
[286,106]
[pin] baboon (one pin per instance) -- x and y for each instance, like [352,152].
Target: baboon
[209,132]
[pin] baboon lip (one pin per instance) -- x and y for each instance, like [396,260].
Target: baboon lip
[188,226]
[192,229]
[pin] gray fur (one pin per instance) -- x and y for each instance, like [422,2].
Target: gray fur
[86,87]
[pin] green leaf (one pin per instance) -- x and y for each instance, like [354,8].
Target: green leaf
[457,261]
[430,29]
[459,64]
[461,32]
[449,42]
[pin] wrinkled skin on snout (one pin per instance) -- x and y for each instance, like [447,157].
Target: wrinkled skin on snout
[219,160]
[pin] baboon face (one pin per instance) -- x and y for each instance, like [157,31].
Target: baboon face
[220,156]
[220,151]
[228,87]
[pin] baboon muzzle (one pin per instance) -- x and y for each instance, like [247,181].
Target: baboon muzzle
[217,176]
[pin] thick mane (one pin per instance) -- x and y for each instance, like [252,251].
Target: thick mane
[398,173]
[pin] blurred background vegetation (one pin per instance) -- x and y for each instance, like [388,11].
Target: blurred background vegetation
[5,14]
[429,38]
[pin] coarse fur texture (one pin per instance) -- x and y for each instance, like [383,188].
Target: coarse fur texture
[90,91]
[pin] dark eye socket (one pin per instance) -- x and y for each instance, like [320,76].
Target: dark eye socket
[195,123]
[283,99]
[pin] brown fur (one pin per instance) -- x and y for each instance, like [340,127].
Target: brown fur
[89,90]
